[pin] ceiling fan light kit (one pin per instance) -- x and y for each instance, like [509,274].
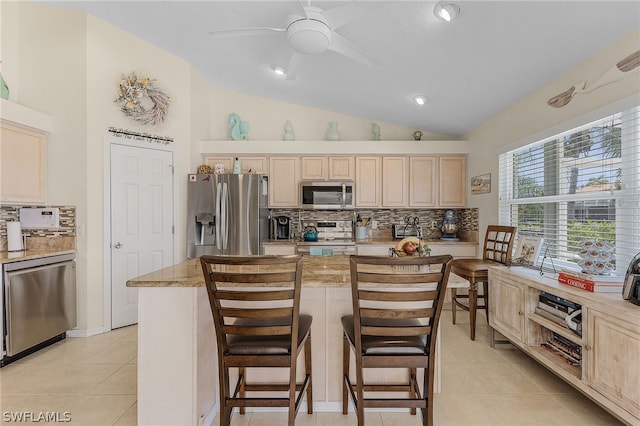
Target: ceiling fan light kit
[446,11]
[278,70]
[311,34]
[420,99]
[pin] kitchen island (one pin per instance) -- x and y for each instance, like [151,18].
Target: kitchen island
[177,365]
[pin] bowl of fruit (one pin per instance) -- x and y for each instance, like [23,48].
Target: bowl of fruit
[411,246]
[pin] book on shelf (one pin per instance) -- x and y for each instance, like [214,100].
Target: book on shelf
[561,300]
[566,346]
[552,310]
[551,317]
[565,357]
[589,285]
[544,300]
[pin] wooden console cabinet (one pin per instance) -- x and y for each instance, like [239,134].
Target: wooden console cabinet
[610,370]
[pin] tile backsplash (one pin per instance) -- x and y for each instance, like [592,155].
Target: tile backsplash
[467,219]
[62,238]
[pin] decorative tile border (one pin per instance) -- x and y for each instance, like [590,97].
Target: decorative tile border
[67,222]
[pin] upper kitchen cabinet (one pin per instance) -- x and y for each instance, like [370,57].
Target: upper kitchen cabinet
[23,154]
[23,165]
[452,181]
[247,164]
[422,181]
[284,181]
[314,168]
[394,182]
[331,168]
[342,168]
[368,181]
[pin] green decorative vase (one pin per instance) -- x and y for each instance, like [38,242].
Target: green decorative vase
[4,89]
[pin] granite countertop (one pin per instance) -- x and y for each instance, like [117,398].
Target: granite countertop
[17,256]
[374,240]
[318,271]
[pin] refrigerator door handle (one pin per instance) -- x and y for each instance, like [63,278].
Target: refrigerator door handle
[218,216]
[225,215]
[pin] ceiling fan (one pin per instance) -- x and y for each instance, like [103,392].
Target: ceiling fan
[312,32]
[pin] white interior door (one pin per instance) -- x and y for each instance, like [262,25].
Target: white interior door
[141,222]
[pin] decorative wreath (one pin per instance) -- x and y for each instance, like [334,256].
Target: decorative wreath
[141,100]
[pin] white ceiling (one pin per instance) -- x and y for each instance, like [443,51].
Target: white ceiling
[492,55]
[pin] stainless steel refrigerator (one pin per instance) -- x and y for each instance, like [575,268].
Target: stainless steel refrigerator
[227,214]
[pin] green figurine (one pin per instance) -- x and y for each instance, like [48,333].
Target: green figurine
[4,89]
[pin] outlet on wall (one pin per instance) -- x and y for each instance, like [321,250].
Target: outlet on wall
[434,224]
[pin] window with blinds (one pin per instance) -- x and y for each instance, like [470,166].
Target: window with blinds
[579,186]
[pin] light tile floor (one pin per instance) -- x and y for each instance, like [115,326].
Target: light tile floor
[94,380]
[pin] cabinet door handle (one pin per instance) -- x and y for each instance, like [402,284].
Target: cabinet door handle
[520,313]
[587,347]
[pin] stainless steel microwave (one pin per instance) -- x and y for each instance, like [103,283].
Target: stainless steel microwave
[327,195]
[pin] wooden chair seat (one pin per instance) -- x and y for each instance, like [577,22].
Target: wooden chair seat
[385,345]
[397,303]
[266,345]
[255,303]
[498,245]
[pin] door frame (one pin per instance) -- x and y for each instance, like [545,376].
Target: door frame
[106,237]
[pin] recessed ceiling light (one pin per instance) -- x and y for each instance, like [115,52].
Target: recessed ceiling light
[446,11]
[278,70]
[420,99]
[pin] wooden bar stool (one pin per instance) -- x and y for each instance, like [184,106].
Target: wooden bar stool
[397,303]
[498,245]
[255,302]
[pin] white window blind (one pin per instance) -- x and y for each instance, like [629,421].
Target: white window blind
[579,185]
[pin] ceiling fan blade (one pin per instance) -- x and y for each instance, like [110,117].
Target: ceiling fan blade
[243,32]
[340,15]
[294,65]
[345,47]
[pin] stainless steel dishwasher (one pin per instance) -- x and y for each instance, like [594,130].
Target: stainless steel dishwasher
[39,303]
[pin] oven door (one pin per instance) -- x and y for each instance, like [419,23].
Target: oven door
[327,195]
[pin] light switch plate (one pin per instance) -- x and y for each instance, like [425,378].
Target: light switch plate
[40,218]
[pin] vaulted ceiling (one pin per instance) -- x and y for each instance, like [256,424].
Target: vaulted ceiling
[493,54]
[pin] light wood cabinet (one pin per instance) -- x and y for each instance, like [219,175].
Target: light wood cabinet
[609,371]
[341,168]
[422,181]
[314,168]
[394,181]
[331,168]
[227,162]
[258,165]
[368,181]
[614,347]
[284,181]
[279,249]
[255,164]
[506,308]
[452,181]
[23,156]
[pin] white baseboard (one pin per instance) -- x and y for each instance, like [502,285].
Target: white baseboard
[86,333]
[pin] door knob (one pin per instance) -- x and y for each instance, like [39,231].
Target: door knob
[117,245]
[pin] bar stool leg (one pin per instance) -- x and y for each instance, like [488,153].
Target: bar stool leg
[473,301]
[453,305]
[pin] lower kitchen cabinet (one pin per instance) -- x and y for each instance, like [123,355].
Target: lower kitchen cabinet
[607,347]
[279,249]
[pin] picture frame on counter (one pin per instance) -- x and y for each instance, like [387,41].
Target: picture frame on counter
[481,184]
[527,250]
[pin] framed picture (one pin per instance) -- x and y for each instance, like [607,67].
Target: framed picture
[481,184]
[527,250]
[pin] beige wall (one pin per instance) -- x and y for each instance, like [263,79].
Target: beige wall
[532,116]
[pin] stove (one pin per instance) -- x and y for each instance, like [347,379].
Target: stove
[334,237]
[332,230]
